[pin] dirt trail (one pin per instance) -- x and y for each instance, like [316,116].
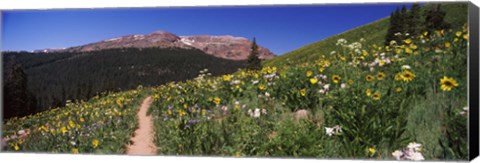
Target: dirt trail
[143,138]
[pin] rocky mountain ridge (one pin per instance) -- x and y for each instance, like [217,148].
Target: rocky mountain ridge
[226,46]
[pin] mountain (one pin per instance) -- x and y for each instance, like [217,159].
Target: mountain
[159,39]
[226,47]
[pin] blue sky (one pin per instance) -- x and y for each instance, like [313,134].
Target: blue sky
[279,28]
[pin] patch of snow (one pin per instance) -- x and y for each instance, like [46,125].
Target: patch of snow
[187,41]
[114,39]
[136,37]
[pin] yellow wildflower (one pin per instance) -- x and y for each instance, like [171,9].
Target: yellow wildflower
[413,46]
[381,62]
[380,76]
[369,78]
[262,87]
[408,76]
[95,143]
[398,90]
[398,76]
[458,33]
[216,100]
[447,84]
[447,44]
[372,151]
[227,77]
[75,150]
[350,82]
[336,78]
[368,92]
[309,73]
[398,51]
[303,92]
[376,96]
[181,112]
[408,51]
[237,154]
[364,52]
[321,69]
[407,41]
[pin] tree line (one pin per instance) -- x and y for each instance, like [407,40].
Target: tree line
[407,23]
[35,82]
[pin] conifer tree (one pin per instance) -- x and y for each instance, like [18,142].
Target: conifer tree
[434,19]
[17,100]
[395,27]
[390,32]
[414,25]
[253,62]
[403,20]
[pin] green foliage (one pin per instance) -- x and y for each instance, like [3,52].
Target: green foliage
[101,125]
[373,33]
[435,18]
[364,102]
[253,60]
[17,100]
[55,78]
[414,20]
[402,22]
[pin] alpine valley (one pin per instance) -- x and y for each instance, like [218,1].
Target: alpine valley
[56,75]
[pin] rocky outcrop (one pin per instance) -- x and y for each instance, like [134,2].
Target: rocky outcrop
[228,47]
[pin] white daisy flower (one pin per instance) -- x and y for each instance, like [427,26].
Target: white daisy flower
[321,91]
[256,114]
[264,111]
[326,87]
[397,154]
[329,131]
[417,156]
[414,146]
[405,67]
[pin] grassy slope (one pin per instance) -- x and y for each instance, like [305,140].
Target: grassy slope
[423,121]
[373,33]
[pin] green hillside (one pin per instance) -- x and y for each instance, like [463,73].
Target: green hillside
[54,78]
[373,33]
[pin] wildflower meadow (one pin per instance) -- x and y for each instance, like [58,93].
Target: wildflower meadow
[360,101]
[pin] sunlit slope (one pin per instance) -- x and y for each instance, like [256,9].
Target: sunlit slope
[373,33]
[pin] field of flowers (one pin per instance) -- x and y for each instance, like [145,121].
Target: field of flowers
[102,125]
[405,101]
